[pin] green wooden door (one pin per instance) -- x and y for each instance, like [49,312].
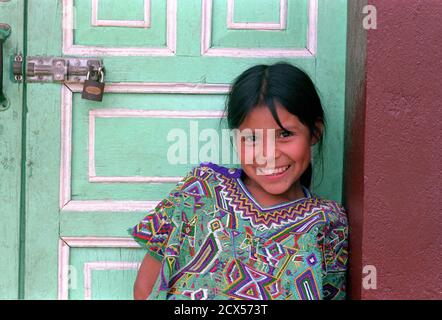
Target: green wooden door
[94,169]
[11,148]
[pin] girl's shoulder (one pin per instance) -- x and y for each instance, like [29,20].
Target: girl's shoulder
[334,211]
[204,176]
[206,170]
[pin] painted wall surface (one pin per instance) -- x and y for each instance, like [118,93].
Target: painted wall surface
[402,172]
[354,141]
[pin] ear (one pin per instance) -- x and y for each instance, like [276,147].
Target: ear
[319,125]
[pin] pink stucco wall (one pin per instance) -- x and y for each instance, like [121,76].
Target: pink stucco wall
[402,217]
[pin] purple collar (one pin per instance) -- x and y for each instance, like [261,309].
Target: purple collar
[228,172]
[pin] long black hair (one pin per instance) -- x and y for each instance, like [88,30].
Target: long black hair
[282,83]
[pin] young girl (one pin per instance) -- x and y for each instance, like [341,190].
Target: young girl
[254,232]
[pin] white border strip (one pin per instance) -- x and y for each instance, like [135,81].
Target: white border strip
[108,206]
[100,266]
[65,243]
[145,23]
[70,49]
[100,242]
[312,30]
[157,87]
[66,146]
[281,25]
[66,204]
[63,270]
[206,36]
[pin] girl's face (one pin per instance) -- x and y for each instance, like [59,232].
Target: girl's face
[274,172]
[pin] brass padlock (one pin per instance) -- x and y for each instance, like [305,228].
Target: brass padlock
[94,89]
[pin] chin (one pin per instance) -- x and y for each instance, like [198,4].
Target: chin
[275,190]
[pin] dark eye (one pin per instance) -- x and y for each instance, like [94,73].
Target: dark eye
[285,134]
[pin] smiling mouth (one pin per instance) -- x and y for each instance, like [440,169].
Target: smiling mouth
[272,172]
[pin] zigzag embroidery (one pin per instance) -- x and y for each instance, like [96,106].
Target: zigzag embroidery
[272,219]
[230,198]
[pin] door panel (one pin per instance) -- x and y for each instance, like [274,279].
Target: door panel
[98,167]
[246,21]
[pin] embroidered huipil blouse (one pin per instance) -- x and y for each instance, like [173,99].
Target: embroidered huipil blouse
[216,242]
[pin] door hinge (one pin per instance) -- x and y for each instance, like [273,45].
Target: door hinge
[54,69]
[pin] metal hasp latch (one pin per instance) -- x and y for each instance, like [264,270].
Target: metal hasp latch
[54,69]
[5,31]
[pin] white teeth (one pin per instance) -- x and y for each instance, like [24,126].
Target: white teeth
[272,171]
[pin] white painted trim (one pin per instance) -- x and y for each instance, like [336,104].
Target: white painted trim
[63,270]
[66,204]
[171,25]
[167,114]
[70,49]
[133,179]
[132,113]
[281,25]
[206,35]
[312,32]
[109,206]
[100,266]
[257,53]
[157,87]
[66,146]
[68,25]
[100,242]
[206,26]
[91,146]
[145,23]
[65,243]
[126,51]
[283,14]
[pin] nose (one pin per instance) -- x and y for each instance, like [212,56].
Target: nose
[267,152]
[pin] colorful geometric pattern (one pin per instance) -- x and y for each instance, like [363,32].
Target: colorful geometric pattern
[216,242]
[154,230]
[306,286]
[247,283]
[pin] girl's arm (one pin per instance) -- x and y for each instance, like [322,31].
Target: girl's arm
[152,233]
[146,277]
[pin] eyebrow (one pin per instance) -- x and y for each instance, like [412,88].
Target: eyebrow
[293,127]
[288,128]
